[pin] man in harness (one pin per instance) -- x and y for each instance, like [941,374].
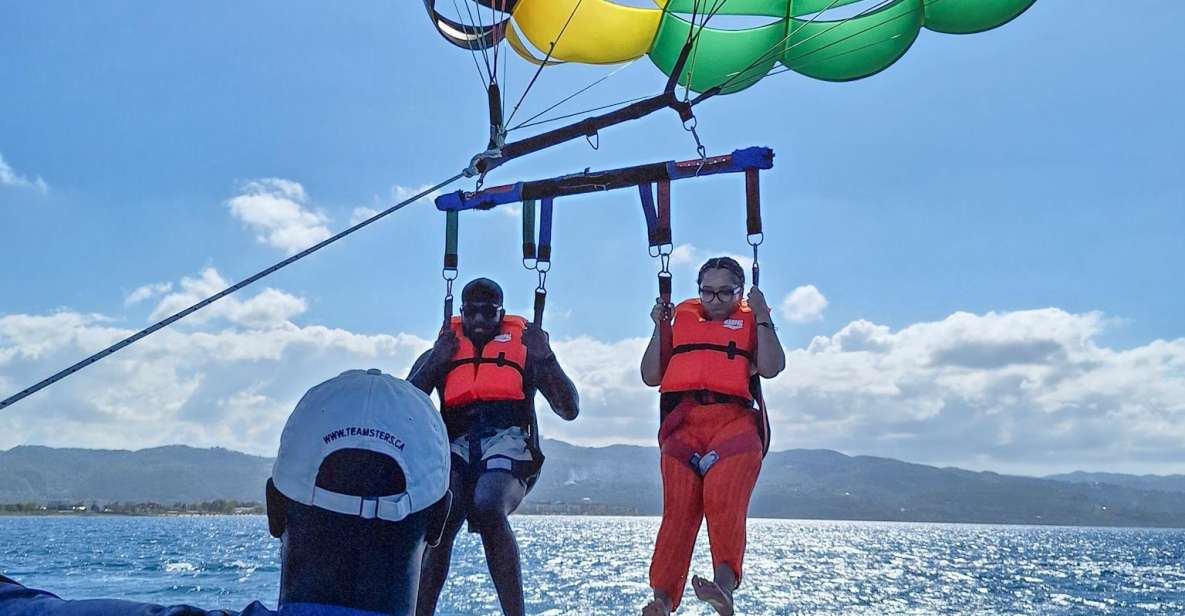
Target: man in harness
[486,367]
[713,431]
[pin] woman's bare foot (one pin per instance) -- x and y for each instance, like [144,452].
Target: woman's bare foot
[714,595]
[659,606]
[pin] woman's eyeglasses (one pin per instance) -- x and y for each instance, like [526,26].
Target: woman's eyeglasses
[720,295]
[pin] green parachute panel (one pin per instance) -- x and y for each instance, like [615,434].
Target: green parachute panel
[798,8]
[766,8]
[735,59]
[809,37]
[971,16]
[856,48]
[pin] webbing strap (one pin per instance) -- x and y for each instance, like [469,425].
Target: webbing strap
[451,261]
[665,333]
[732,350]
[752,201]
[664,238]
[545,215]
[664,212]
[543,257]
[528,230]
[753,218]
[540,304]
[451,224]
[646,193]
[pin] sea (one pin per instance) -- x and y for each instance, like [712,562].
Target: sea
[598,565]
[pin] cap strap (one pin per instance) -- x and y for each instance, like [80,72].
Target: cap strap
[391,508]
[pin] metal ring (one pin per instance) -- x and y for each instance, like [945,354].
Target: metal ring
[530,267]
[760,239]
[444,273]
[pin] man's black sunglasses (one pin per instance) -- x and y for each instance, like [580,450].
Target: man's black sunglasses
[488,311]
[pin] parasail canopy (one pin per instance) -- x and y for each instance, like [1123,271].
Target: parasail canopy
[801,36]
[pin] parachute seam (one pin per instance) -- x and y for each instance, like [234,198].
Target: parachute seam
[837,41]
[774,49]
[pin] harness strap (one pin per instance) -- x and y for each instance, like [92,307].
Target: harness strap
[451,260]
[731,350]
[664,212]
[499,361]
[663,237]
[646,194]
[543,258]
[545,215]
[528,231]
[753,218]
[665,333]
[752,202]
[707,396]
[703,461]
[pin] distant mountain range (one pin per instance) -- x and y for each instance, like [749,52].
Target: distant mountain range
[1164,483]
[800,483]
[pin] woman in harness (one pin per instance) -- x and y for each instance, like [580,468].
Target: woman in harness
[711,435]
[486,367]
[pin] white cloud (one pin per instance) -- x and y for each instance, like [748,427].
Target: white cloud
[276,209]
[1025,391]
[400,193]
[396,195]
[684,254]
[360,214]
[9,177]
[804,304]
[229,387]
[688,255]
[146,292]
[1028,391]
[268,308]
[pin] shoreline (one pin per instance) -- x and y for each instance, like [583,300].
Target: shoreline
[195,514]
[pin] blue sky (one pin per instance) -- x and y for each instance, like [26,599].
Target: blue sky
[998,194]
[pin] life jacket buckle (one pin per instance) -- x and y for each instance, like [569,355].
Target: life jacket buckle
[732,349]
[501,362]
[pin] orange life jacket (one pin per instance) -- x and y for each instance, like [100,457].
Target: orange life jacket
[710,355]
[496,375]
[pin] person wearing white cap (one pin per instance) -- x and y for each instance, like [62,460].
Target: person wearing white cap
[358,490]
[486,366]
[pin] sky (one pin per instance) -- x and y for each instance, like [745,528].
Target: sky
[973,257]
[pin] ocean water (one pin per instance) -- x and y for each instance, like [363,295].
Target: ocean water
[591,565]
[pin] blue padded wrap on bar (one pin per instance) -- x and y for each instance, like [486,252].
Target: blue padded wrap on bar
[483,200]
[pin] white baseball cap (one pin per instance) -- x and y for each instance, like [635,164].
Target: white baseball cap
[365,409]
